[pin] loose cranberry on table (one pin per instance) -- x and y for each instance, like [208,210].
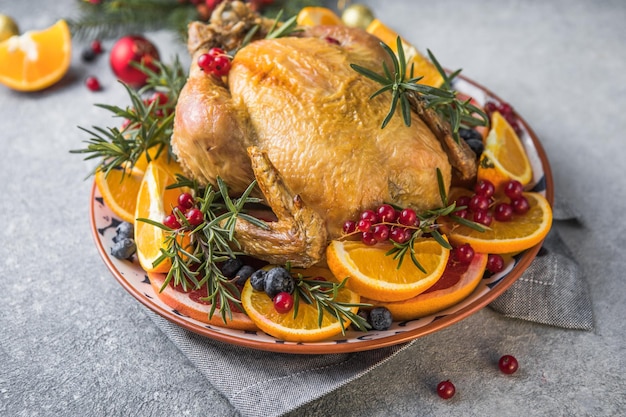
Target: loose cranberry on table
[446,389]
[93,84]
[508,364]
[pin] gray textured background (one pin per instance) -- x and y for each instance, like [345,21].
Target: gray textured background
[73,342]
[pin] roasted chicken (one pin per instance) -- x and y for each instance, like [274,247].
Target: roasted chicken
[296,117]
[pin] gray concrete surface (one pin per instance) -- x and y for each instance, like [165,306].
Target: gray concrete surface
[73,342]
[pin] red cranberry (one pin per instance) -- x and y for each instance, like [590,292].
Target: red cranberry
[463,254]
[185,201]
[520,205]
[364,225]
[446,389]
[386,213]
[205,62]
[349,226]
[368,238]
[463,201]
[370,216]
[93,84]
[381,232]
[483,217]
[508,364]
[221,65]
[495,263]
[96,46]
[171,221]
[484,188]
[503,212]
[513,189]
[283,302]
[479,203]
[408,217]
[399,235]
[195,217]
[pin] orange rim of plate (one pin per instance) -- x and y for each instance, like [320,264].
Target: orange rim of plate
[325,348]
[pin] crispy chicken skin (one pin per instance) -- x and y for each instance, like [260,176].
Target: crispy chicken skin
[297,102]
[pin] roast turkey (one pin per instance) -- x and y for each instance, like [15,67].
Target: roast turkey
[294,115]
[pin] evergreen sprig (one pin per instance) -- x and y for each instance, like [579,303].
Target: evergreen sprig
[148,123]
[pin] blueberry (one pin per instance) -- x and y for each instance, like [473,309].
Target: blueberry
[257,280]
[123,248]
[278,280]
[88,55]
[468,134]
[380,318]
[231,266]
[477,146]
[124,230]
[243,274]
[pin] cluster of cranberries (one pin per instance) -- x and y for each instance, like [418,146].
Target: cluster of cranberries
[507,365]
[188,209]
[215,62]
[384,224]
[480,206]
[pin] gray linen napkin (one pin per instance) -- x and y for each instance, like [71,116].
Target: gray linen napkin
[551,291]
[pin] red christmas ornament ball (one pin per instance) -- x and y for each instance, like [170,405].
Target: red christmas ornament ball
[133,48]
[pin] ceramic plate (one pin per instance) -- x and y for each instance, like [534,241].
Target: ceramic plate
[131,276]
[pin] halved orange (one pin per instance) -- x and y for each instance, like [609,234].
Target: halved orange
[36,59]
[314,16]
[304,327]
[457,282]
[520,233]
[421,64]
[191,304]
[119,190]
[373,274]
[504,157]
[154,202]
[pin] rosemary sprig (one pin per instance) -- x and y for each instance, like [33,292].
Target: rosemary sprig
[196,252]
[324,295]
[148,123]
[458,113]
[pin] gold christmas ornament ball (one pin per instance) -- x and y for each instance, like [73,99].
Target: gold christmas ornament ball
[8,27]
[357,16]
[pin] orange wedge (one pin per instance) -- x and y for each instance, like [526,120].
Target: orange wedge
[120,186]
[457,282]
[375,275]
[520,233]
[504,157]
[36,59]
[190,303]
[154,202]
[314,16]
[119,190]
[421,64]
[304,327]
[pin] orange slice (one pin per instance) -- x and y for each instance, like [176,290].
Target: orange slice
[154,202]
[421,64]
[457,282]
[304,327]
[520,233]
[504,157]
[314,16]
[373,274]
[119,190]
[36,59]
[190,303]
